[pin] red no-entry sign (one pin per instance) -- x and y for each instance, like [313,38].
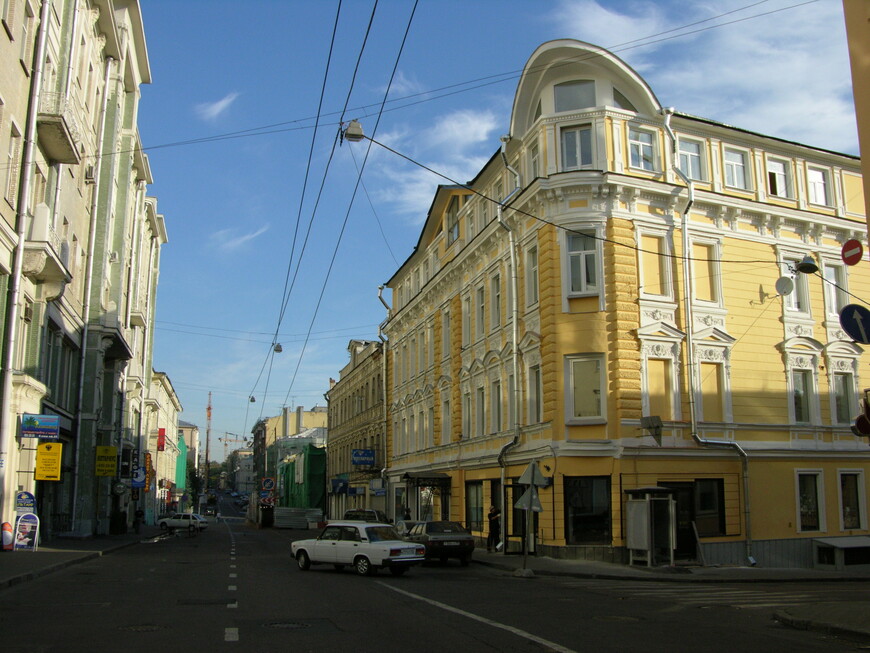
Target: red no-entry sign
[852,252]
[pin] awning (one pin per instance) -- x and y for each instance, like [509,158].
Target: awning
[427,479]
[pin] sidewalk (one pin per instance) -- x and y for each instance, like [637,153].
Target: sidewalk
[851,619]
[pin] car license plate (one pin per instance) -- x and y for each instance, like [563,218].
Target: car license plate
[451,544]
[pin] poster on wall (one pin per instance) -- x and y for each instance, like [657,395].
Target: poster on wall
[27,532]
[48,459]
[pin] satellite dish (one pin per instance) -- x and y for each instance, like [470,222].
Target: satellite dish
[784,286]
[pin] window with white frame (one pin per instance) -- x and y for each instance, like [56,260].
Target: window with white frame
[655,265]
[817,186]
[659,384]
[706,277]
[512,402]
[802,394]
[536,395]
[480,311]
[845,397]
[466,321]
[582,250]
[736,169]
[641,149]
[453,220]
[13,159]
[446,419]
[495,300]
[836,291]
[691,161]
[534,161]
[713,395]
[570,96]
[466,415]
[411,442]
[810,507]
[430,428]
[852,496]
[576,145]
[798,300]
[584,385]
[779,177]
[480,412]
[495,406]
[445,334]
[531,276]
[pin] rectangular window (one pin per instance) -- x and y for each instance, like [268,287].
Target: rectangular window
[836,293]
[660,388]
[817,186]
[495,406]
[710,507]
[735,169]
[583,262]
[802,385]
[534,162]
[453,220]
[656,280]
[446,418]
[466,322]
[474,505]
[512,398]
[641,149]
[532,276]
[536,395]
[430,428]
[480,412]
[480,312]
[690,159]
[778,178]
[466,416]
[798,300]
[576,148]
[585,382]
[712,392]
[574,95]
[445,334]
[706,272]
[587,510]
[495,300]
[852,500]
[845,407]
[809,504]
[13,159]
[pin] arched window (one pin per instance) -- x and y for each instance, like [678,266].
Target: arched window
[570,96]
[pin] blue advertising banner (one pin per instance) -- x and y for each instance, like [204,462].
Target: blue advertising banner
[46,427]
[362,457]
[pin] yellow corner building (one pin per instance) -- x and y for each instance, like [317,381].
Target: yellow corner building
[646,305]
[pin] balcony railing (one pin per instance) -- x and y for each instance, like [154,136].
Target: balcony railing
[59,133]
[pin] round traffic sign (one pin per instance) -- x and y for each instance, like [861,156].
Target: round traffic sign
[855,320]
[852,252]
[862,424]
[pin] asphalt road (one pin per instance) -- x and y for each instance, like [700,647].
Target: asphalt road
[234,587]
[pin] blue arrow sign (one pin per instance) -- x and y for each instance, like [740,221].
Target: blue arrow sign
[855,320]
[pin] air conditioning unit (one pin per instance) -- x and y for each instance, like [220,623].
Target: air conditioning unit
[89,173]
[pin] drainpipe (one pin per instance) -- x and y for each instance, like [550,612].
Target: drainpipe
[10,342]
[89,276]
[515,330]
[384,350]
[690,342]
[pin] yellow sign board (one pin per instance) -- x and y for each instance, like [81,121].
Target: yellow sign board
[106,463]
[48,457]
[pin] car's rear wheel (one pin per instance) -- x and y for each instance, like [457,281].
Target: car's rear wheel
[163,526]
[398,571]
[363,566]
[303,561]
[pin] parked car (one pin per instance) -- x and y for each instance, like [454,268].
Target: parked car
[366,546]
[443,540]
[183,520]
[404,527]
[365,514]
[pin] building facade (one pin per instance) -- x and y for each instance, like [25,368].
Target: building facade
[356,442]
[629,298]
[79,253]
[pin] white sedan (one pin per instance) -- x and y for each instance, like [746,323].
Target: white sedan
[365,545]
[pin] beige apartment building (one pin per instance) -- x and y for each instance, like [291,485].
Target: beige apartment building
[647,306]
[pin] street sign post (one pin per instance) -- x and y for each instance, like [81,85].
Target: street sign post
[855,320]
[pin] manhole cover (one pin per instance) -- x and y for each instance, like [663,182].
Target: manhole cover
[286,624]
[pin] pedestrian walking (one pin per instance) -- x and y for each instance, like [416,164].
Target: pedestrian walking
[494,536]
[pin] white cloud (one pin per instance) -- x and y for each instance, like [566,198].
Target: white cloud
[212,110]
[785,74]
[227,240]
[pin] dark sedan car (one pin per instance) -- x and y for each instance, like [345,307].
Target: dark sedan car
[443,540]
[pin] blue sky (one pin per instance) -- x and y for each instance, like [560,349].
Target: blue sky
[228,125]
